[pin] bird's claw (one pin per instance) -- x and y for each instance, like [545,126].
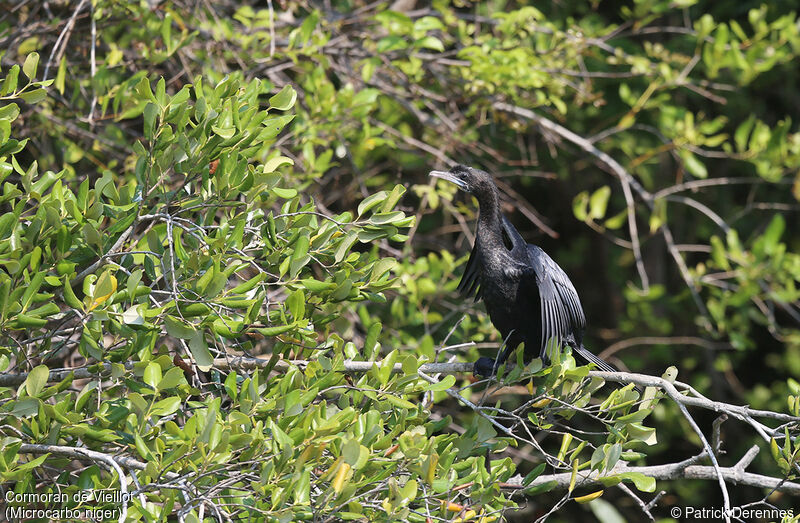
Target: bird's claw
[484,367]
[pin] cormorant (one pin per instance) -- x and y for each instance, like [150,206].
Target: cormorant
[529,298]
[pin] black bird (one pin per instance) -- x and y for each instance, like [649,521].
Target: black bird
[529,298]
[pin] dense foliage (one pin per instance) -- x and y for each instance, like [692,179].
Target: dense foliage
[189,186]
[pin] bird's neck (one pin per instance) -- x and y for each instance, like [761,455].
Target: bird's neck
[489,218]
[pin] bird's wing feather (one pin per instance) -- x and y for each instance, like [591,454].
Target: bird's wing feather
[562,313]
[518,245]
[471,280]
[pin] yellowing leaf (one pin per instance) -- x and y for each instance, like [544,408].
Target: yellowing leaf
[541,403]
[341,477]
[105,287]
[589,497]
[452,507]
[468,516]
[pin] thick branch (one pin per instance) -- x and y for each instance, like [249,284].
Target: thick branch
[741,412]
[735,475]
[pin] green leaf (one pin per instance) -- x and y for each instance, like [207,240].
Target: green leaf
[535,473]
[133,315]
[541,489]
[273,164]
[301,247]
[284,193]
[31,289]
[172,378]
[26,407]
[30,65]
[7,223]
[166,406]
[640,432]
[178,329]
[486,430]
[36,380]
[566,440]
[274,331]
[223,132]
[69,296]
[642,482]
[284,100]
[141,447]
[428,23]
[371,341]
[292,403]
[316,285]
[774,232]
[393,197]
[61,75]
[580,206]
[152,374]
[351,452]
[10,83]
[371,201]
[399,402]
[150,114]
[345,244]
[105,285]
[693,165]
[297,304]
[444,384]
[617,221]
[9,112]
[386,217]
[391,43]
[743,133]
[430,42]
[273,127]
[199,349]
[599,202]
[612,456]
[605,512]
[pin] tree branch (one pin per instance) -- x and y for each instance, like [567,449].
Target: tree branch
[112,462]
[735,475]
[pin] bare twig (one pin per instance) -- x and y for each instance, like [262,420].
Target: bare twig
[61,42]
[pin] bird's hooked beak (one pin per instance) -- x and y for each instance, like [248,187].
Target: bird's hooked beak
[450,178]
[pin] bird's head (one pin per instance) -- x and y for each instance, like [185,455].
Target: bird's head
[466,178]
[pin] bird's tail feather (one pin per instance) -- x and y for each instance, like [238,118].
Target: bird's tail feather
[590,357]
[603,365]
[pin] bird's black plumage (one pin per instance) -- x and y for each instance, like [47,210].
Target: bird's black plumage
[529,298]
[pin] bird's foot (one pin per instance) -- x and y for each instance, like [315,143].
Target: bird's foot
[484,367]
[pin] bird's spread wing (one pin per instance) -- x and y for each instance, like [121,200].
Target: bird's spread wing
[562,313]
[471,281]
